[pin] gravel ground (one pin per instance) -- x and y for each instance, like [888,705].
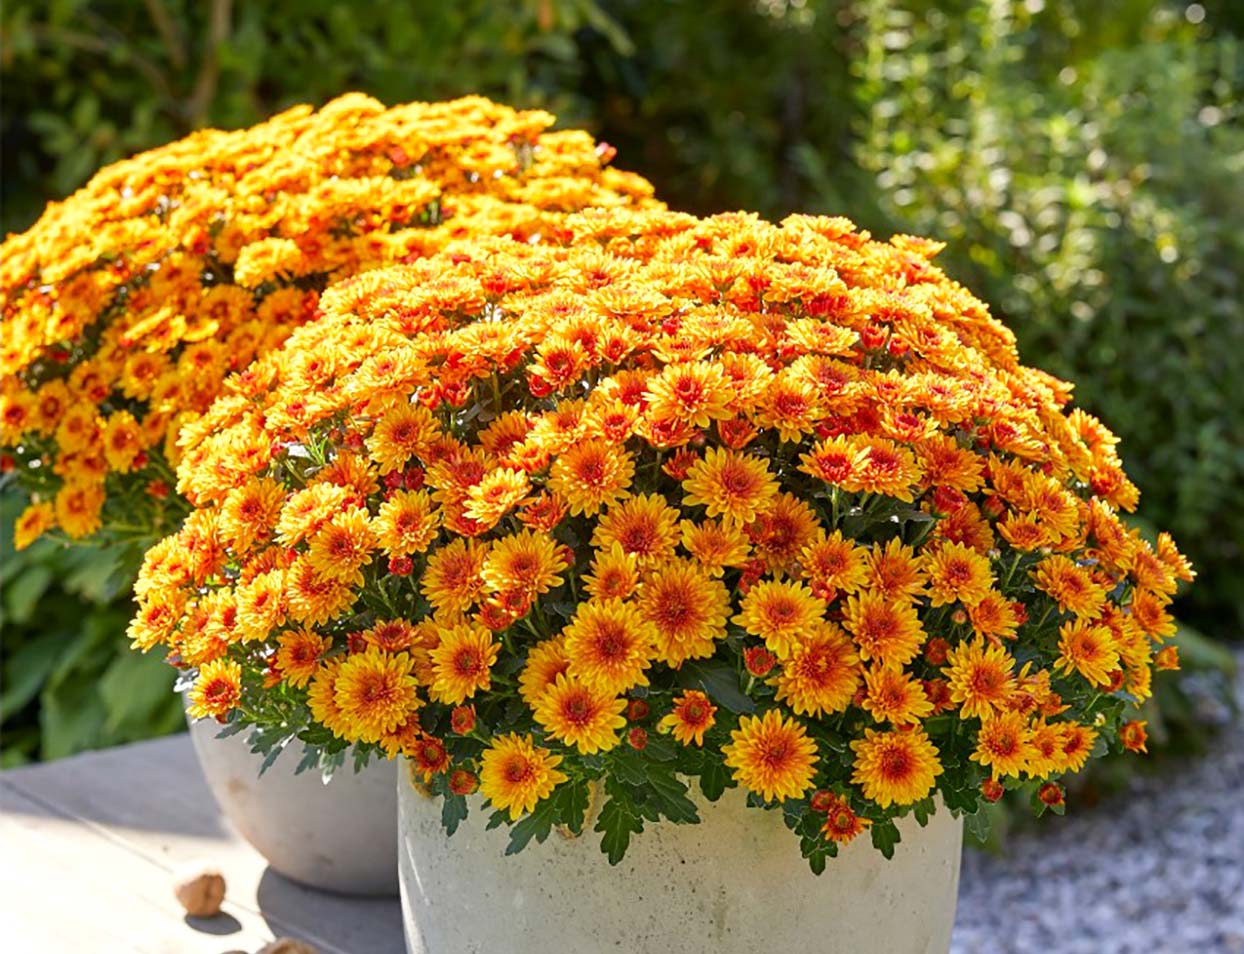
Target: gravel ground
[1159,870]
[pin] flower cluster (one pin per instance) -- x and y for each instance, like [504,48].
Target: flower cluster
[660,500]
[126,306]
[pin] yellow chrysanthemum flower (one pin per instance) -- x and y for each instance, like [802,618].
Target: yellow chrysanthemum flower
[462,663]
[981,678]
[515,775]
[216,690]
[821,673]
[729,485]
[772,756]
[609,645]
[693,715]
[577,714]
[898,767]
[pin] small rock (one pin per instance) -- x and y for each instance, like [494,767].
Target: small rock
[200,890]
[287,945]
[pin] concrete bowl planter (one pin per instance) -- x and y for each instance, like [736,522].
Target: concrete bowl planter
[338,837]
[734,884]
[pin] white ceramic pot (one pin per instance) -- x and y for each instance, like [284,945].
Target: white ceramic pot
[734,884]
[339,837]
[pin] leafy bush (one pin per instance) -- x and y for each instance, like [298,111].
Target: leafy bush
[69,684]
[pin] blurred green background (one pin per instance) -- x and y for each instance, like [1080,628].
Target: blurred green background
[1085,160]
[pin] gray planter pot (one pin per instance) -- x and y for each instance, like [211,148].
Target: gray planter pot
[339,837]
[734,884]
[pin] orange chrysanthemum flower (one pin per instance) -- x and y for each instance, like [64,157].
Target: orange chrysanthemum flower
[834,563]
[298,655]
[609,645]
[729,485]
[898,767]
[406,523]
[1087,649]
[894,696]
[527,562]
[579,715]
[687,608]
[842,825]
[217,690]
[1076,745]
[592,475]
[499,492]
[696,393]
[957,573]
[454,579]
[715,545]
[462,663]
[614,574]
[34,521]
[515,775]
[375,693]
[403,432]
[342,547]
[249,513]
[1003,744]
[885,631]
[981,678]
[1070,586]
[821,673]
[644,526]
[545,662]
[892,571]
[772,756]
[693,715]
[313,599]
[1133,736]
[780,613]
[994,617]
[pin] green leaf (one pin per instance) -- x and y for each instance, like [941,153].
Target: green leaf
[978,825]
[817,849]
[453,812]
[885,836]
[133,688]
[310,759]
[719,680]
[536,825]
[572,800]
[671,796]
[28,669]
[660,748]
[618,821]
[21,597]
[714,779]
[923,810]
[628,766]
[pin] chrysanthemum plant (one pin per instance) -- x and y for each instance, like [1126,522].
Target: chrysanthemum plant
[126,306]
[594,530]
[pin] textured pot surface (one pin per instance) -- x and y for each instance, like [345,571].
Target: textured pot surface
[340,837]
[734,884]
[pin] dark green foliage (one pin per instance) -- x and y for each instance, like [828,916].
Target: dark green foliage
[68,682]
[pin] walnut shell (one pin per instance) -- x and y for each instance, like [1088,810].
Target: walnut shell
[200,891]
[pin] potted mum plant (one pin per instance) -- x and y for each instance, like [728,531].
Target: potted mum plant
[676,557]
[127,306]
